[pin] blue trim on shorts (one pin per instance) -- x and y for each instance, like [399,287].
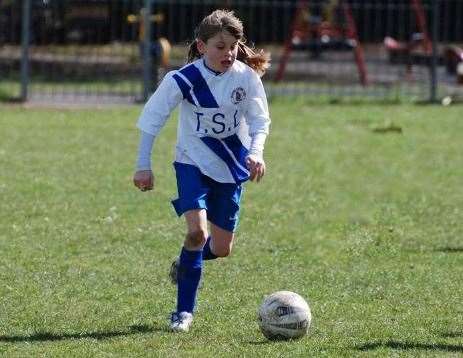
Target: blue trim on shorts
[198,191]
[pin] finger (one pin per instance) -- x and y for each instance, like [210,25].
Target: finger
[248,163]
[148,184]
[253,174]
[261,171]
[260,174]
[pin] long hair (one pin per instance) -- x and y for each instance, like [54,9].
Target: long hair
[224,20]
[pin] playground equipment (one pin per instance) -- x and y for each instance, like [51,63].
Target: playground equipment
[453,58]
[160,47]
[333,30]
[418,50]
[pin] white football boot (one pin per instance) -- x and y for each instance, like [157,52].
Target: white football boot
[181,321]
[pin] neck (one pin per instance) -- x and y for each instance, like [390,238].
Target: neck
[210,68]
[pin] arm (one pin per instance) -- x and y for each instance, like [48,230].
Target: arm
[152,119]
[258,119]
[143,178]
[160,105]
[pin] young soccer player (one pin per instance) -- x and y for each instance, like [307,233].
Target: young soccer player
[223,124]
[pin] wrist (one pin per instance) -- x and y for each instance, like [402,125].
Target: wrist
[143,164]
[257,144]
[256,153]
[143,169]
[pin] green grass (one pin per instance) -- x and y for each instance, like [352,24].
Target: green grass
[361,212]
[9,90]
[94,87]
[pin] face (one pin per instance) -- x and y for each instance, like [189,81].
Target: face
[219,51]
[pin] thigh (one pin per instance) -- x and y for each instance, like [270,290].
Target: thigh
[196,220]
[223,204]
[196,236]
[192,190]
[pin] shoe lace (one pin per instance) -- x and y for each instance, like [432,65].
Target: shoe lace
[174,317]
[178,318]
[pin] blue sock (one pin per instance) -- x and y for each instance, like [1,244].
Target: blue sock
[207,253]
[189,274]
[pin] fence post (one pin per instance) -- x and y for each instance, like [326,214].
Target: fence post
[147,60]
[25,42]
[435,55]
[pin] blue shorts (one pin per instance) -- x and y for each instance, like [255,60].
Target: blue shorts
[198,191]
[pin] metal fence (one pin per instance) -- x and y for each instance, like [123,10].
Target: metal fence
[96,50]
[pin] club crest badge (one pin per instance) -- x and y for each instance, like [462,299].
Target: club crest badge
[238,95]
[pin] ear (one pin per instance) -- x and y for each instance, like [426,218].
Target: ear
[201,46]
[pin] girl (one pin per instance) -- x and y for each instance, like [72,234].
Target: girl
[223,124]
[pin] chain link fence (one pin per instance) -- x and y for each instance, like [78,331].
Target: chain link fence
[96,50]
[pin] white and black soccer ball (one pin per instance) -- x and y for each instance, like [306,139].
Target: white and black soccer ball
[284,315]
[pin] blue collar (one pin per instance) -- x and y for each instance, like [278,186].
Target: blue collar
[217,73]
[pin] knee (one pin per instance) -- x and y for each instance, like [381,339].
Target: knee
[196,238]
[222,251]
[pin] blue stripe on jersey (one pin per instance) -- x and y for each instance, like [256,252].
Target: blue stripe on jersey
[184,88]
[214,144]
[200,88]
[239,150]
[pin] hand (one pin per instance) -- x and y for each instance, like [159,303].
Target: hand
[256,166]
[143,180]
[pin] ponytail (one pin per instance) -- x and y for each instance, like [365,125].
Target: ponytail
[193,52]
[258,60]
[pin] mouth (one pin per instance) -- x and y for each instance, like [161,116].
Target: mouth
[226,63]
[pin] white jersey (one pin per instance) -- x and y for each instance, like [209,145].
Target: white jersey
[219,113]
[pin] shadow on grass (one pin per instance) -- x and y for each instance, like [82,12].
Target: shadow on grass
[47,337]
[454,348]
[452,334]
[272,341]
[451,250]
[260,343]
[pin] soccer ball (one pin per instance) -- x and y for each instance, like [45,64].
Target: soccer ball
[284,315]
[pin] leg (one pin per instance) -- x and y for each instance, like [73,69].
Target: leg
[208,253]
[221,241]
[223,215]
[190,265]
[189,269]
[191,202]
[196,231]
[196,221]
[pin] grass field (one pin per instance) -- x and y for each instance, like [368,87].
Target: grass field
[361,212]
